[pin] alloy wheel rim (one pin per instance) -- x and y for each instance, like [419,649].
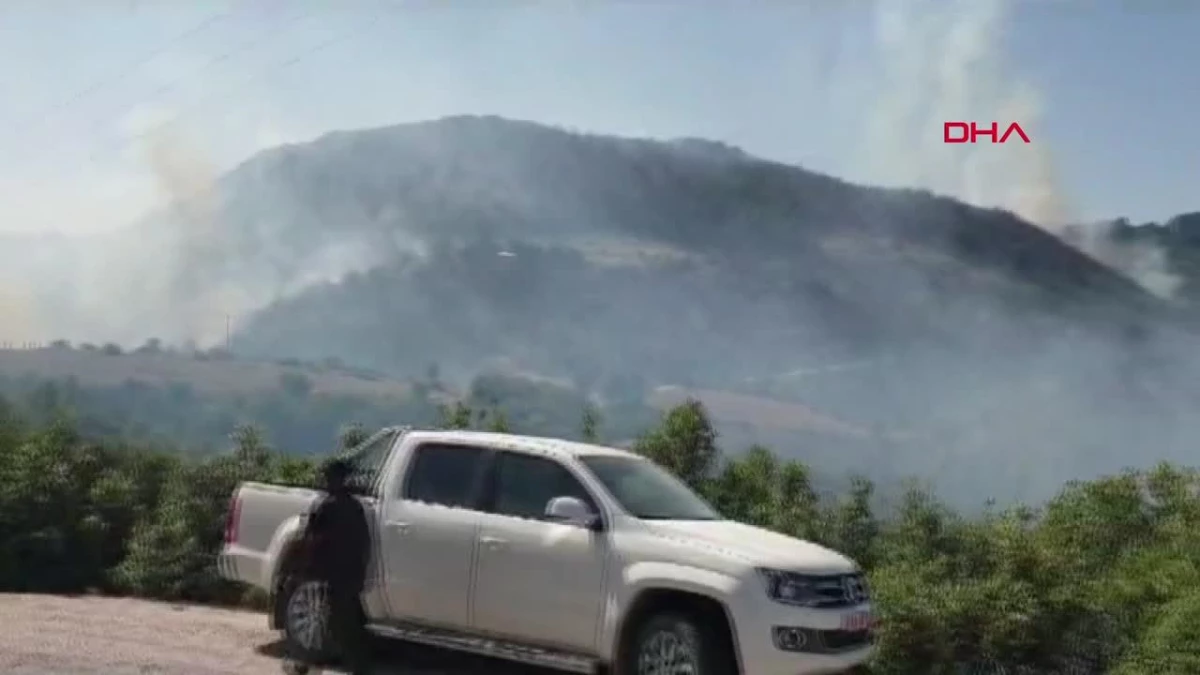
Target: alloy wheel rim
[668,653]
[306,614]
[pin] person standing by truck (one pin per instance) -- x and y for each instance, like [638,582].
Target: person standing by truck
[337,544]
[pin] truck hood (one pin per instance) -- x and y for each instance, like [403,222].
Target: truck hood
[754,545]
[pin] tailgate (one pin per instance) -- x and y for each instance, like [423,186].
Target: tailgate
[255,528]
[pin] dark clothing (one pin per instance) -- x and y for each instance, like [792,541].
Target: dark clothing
[340,541]
[337,551]
[347,631]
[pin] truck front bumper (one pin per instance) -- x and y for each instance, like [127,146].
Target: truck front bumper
[783,640]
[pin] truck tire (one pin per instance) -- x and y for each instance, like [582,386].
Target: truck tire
[676,643]
[304,614]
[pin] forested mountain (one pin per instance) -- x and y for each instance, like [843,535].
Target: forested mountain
[1177,240]
[948,331]
[963,344]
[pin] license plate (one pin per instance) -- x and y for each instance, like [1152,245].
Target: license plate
[857,621]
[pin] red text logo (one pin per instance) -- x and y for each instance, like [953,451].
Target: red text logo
[969,132]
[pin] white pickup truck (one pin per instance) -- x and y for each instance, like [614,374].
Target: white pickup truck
[564,555]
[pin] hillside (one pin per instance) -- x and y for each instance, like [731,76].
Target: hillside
[769,257]
[465,178]
[999,354]
[166,394]
[962,343]
[212,374]
[1177,240]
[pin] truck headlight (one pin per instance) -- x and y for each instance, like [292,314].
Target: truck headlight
[790,588]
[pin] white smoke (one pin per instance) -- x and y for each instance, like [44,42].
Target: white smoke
[944,60]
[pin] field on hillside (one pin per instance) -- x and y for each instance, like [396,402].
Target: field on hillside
[232,376]
[757,411]
[211,376]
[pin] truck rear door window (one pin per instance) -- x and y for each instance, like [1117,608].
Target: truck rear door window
[449,475]
[367,460]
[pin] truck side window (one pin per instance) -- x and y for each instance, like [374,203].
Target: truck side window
[444,474]
[525,484]
[367,461]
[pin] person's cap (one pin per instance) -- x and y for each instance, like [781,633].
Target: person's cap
[336,470]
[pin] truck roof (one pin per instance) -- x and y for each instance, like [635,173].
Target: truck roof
[553,447]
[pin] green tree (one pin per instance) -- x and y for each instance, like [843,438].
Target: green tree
[498,422]
[851,526]
[457,416]
[352,435]
[150,346]
[1171,644]
[685,443]
[589,427]
[1102,578]
[250,447]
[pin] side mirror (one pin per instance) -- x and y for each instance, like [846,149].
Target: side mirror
[572,511]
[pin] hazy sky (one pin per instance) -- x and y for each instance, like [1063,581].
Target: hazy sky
[1107,89]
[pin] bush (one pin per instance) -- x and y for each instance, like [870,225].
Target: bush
[1103,578]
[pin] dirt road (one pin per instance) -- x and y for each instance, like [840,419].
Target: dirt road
[50,634]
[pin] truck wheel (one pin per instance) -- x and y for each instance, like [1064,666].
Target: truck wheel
[674,643]
[305,614]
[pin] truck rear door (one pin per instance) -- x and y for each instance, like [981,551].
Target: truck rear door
[367,463]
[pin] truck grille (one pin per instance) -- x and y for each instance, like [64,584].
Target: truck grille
[841,590]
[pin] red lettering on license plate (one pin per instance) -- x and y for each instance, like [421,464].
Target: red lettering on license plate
[857,621]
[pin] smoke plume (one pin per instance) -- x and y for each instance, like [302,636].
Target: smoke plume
[945,61]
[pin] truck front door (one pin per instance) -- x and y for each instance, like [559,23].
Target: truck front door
[538,581]
[429,533]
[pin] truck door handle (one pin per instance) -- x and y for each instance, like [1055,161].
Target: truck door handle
[493,543]
[398,526]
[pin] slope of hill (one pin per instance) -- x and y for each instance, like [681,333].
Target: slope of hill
[488,177]
[207,375]
[623,264]
[994,342]
[819,264]
[200,399]
[1177,241]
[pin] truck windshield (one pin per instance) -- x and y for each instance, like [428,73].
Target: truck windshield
[647,491]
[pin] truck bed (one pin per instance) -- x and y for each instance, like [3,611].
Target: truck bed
[254,532]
